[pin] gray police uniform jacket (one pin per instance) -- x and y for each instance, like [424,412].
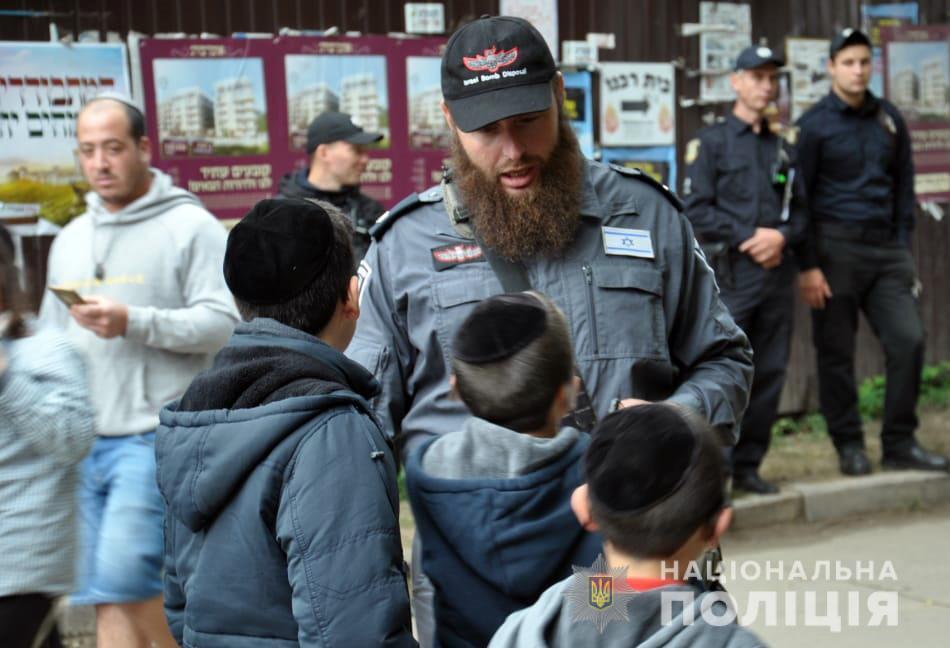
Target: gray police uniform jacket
[650,328]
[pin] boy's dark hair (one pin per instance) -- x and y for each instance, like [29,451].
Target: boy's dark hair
[654,476]
[311,309]
[517,389]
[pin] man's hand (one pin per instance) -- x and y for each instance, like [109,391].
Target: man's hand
[813,288]
[765,247]
[632,402]
[102,316]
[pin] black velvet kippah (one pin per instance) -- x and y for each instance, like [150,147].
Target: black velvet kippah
[277,250]
[640,456]
[499,327]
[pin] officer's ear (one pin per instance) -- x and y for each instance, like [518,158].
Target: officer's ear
[558,85]
[447,115]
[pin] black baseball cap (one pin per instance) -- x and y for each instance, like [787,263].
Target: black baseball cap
[333,126]
[494,68]
[845,37]
[757,56]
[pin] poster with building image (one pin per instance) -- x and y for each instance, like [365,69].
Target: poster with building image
[807,61]
[917,81]
[873,18]
[210,107]
[427,126]
[719,49]
[42,88]
[353,84]
[636,104]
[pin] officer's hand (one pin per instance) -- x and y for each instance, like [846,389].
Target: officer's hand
[102,316]
[813,288]
[765,247]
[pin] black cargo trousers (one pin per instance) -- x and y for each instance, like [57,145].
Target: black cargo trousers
[873,272]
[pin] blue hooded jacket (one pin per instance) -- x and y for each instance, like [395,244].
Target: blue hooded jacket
[492,545]
[281,525]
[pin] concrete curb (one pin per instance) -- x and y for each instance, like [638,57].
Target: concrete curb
[830,500]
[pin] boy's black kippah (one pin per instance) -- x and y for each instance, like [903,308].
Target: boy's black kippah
[277,250]
[639,457]
[499,327]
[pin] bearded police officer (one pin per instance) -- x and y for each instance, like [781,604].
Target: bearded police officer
[524,208]
[739,198]
[855,160]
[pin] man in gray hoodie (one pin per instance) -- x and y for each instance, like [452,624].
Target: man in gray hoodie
[146,258]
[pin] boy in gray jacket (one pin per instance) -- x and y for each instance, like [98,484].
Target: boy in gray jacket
[655,491]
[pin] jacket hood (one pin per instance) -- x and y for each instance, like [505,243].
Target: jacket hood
[552,622]
[268,382]
[516,533]
[162,195]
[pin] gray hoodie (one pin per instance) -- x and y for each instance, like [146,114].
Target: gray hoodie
[549,622]
[162,257]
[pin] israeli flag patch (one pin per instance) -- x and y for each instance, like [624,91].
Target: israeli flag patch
[628,242]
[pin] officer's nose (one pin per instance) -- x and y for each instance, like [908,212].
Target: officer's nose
[511,146]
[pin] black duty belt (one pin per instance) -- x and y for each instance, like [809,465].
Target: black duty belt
[859,233]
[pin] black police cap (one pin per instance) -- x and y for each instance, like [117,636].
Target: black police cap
[757,56]
[330,126]
[277,250]
[494,68]
[499,327]
[846,37]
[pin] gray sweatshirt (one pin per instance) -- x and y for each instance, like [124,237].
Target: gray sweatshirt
[45,431]
[162,257]
[550,622]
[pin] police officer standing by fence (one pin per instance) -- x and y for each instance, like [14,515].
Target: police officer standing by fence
[855,160]
[738,195]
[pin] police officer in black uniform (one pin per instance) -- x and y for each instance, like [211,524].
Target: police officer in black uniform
[739,199]
[855,161]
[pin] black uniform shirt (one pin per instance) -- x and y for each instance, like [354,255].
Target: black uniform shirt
[856,167]
[729,188]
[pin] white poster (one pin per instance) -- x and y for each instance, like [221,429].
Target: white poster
[807,59]
[42,88]
[425,17]
[636,104]
[540,13]
[718,50]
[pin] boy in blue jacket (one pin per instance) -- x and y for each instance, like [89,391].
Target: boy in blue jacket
[492,500]
[281,525]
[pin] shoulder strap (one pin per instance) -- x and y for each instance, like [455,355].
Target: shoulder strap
[631,172]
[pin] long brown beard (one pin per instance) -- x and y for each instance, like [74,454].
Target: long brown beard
[544,221]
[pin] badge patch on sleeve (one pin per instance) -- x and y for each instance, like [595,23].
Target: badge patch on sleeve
[449,256]
[363,273]
[628,242]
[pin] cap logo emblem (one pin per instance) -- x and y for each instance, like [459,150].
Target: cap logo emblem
[490,60]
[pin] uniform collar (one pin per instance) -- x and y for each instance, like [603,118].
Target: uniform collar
[738,126]
[869,107]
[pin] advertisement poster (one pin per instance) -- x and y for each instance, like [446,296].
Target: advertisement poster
[540,13]
[578,106]
[718,50]
[873,18]
[636,104]
[230,116]
[657,161]
[917,81]
[42,88]
[807,59]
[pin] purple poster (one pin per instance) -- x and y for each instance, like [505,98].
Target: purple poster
[228,117]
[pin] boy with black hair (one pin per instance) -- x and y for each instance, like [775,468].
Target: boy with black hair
[492,500]
[282,512]
[655,490]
